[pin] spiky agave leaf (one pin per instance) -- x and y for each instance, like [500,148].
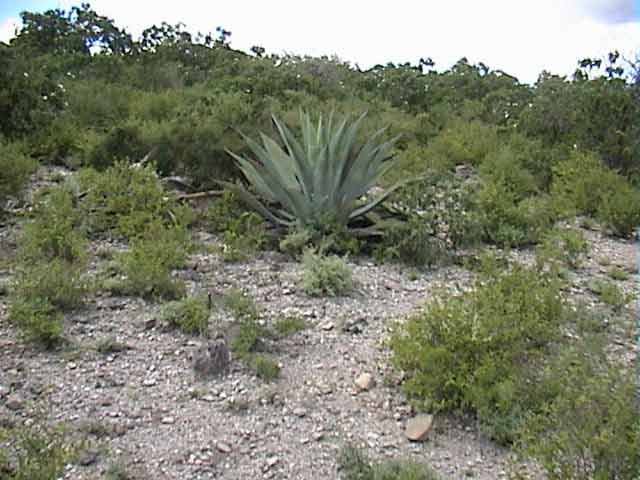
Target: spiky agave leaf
[323,174]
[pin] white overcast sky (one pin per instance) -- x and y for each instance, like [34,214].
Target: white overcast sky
[519,37]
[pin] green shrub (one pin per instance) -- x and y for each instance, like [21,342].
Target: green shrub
[124,199]
[15,168]
[241,305]
[223,211]
[148,263]
[478,352]
[461,143]
[59,282]
[583,185]
[620,208]
[610,293]
[265,367]
[39,453]
[591,429]
[325,275]
[618,274]
[55,232]
[37,319]
[123,143]
[567,245]
[245,235]
[354,464]
[248,338]
[290,325]
[191,315]
[296,241]
[508,219]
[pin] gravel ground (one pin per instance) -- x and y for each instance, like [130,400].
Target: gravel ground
[146,409]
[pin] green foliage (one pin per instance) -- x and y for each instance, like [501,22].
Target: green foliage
[55,231]
[296,241]
[224,211]
[240,304]
[265,367]
[618,274]
[15,168]
[479,351]
[39,453]
[59,282]
[191,315]
[38,320]
[583,185]
[591,429]
[610,293]
[48,280]
[290,325]
[567,245]
[440,217]
[122,143]
[318,182]
[461,143]
[245,235]
[325,275]
[508,219]
[147,265]
[354,464]
[124,199]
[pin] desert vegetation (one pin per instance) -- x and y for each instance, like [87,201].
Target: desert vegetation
[145,170]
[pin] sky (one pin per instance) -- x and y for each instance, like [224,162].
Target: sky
[520,37]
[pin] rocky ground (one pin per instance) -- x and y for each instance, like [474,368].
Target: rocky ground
[146,409]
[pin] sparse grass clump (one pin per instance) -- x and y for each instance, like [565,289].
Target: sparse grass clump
[618,274]
[354,464]
[38,320]
[326,275]
[244,236]
[191,315]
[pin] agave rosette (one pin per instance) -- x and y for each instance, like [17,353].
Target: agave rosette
[322,176]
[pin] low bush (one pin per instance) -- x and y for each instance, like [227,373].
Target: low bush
[123,143]
[54,232]
[440,217]
[583,185]
[15,168]
[147,265]
[478,352]
[566,245]
[325,275]
[591,428]
[191,315]
[610,294]
[34,453]
[125,199]
[354,464]
[290,325]
[245,235]
[59,282]
[37,319]
[265,367]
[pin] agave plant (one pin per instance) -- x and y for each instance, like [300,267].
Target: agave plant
[317,179]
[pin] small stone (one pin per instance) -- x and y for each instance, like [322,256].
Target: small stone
[223,447]
[318,436]
[14,402]
[419,427]
[149,324]
[208,398]
[299,412]
[365,381]
[71,366]
[148,382]
[168,420]
[326,326]
[4,391]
